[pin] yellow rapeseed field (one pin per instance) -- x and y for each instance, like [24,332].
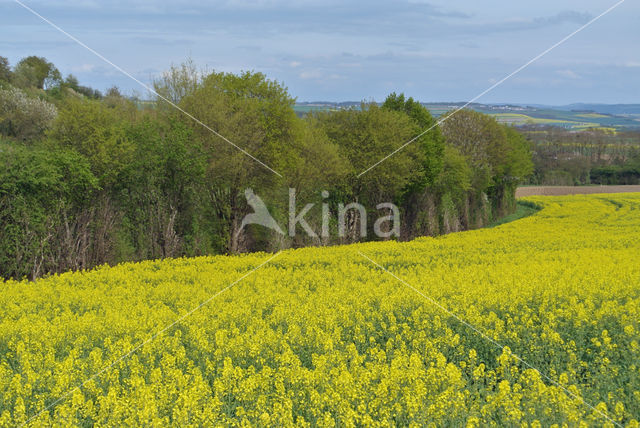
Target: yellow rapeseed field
[324,337]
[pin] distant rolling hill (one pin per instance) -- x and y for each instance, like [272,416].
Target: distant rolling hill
[611,109]
[573,116]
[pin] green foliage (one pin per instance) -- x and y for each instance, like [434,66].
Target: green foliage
[161,189]
[626,173]
[431,142]
[97,132]
[254,114]
[498,155]
[36,72]
[24,117]
[563,157]
[471,133]
[318,162]
[251,111]
[519,164]
[366,136]
[39,189]
[177,83]
[523,209]
[158,184]
[456,174]
[71,82]
[5,70]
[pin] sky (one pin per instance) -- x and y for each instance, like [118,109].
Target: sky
[331,50]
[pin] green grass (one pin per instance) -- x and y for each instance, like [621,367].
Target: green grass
[523,209]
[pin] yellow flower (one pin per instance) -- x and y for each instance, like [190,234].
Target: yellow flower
[322,337]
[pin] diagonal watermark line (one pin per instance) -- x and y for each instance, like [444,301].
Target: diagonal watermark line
[148,88]
[492,341]
[495,85]
[154,336]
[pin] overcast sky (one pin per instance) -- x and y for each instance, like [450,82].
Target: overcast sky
[340,50]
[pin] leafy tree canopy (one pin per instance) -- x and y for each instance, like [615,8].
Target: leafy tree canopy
[36,72]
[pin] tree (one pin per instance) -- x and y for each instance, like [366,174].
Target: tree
[36,72]
[162,201]
[72,82]
[178,82]
[319,164]
[97,132]
[481,140]
[42,195]
[5,70]
[456,174]
[519,161]
[364,137]
[367,135]
[431,143]
[25,118]
[499,155]
[255,114]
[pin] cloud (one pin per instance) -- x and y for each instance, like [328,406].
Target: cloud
[258,18]
[339,50]
[527,24]
[567,16]
[83,68]
[570,74]
[310,74]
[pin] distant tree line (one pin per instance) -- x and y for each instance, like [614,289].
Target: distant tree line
[88,179]
[594,156]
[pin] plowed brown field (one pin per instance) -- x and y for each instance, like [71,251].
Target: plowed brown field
[572,190]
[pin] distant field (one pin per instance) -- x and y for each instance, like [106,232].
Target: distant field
[523,119]
[567,120]
[572,190]
[520,119]
[518,115]
[576,120]
[592,115]
[304,109]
